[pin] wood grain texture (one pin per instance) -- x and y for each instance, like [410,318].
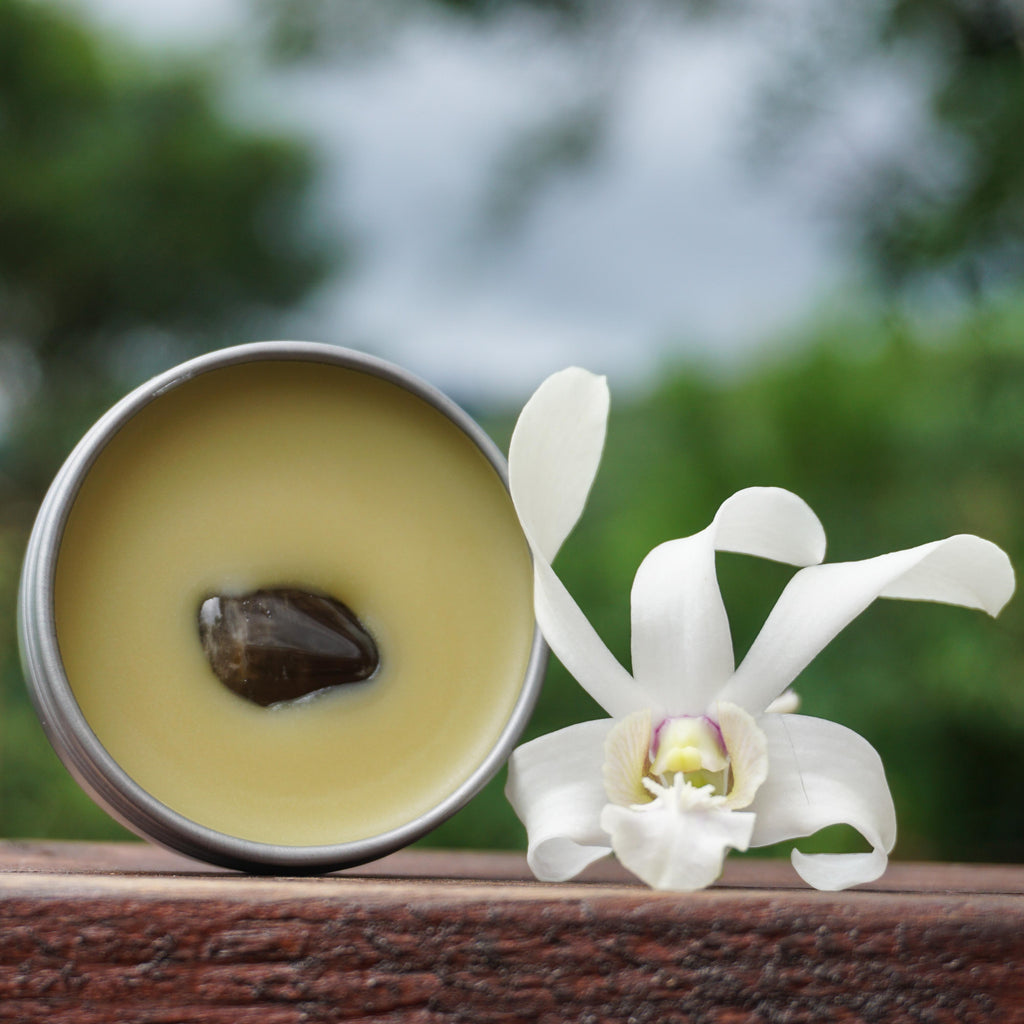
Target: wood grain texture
[92,934]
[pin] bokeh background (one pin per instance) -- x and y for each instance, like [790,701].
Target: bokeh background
[791,233]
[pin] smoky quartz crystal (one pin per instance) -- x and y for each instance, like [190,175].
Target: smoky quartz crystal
[279,644]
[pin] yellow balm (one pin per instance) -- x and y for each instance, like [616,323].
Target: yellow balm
[300,474]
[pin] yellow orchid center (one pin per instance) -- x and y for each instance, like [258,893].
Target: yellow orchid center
[692,747]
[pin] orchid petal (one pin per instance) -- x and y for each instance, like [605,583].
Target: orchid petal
[578,647]
[680,840]
[787,703]
[552,461]
[555,786]
[682,646]
[820,774]
[554,455]
[772,523]
[821,600]
[627,757]
[748,753]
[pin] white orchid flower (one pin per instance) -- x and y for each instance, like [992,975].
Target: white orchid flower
[700,756]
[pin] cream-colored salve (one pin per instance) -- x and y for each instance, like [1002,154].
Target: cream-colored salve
[292,473]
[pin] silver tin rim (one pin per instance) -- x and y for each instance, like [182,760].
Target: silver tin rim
[66,727]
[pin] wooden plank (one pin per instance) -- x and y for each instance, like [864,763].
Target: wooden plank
[749,872]
[111,932]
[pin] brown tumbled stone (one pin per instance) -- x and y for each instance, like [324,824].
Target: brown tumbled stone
[283,643]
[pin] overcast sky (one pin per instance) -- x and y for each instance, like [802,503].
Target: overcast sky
[666,239]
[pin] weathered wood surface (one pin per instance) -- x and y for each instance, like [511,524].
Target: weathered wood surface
[126,932]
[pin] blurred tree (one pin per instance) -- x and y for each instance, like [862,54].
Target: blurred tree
[973,225]
[933,194]
[138,226]
[943,198]
[131,211]
[301,30]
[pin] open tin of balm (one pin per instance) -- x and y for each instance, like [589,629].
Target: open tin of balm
[276,609]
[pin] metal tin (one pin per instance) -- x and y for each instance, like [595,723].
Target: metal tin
[63,721]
